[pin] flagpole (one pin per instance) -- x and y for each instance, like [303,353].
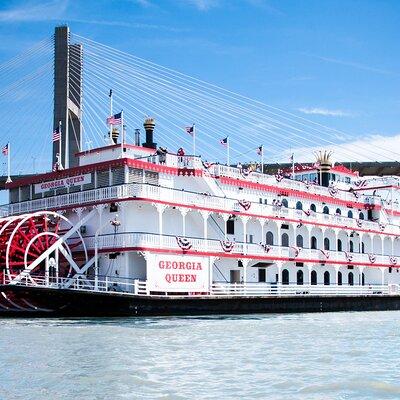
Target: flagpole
[293,166]
[59,144]
[262,159]
[194,140]
[122,133]
[111,114]
[227,151]
[9,163]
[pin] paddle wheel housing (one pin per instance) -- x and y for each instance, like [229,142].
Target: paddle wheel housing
[25,238]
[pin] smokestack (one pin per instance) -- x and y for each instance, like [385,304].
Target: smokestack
[115,135]
[137,137]
[325,165]
[149,125]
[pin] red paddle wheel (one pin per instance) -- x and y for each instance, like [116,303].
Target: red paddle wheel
[24,238]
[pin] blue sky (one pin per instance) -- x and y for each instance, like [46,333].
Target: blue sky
[335,62]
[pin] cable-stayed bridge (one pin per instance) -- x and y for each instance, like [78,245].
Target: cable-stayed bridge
[67,78]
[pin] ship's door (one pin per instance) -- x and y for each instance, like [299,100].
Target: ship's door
[262,275]
[235,276]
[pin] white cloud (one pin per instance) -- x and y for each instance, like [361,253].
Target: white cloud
[325,112]
[203,5]
[375,147]
[52,10]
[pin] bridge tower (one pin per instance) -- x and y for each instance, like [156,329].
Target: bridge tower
[67,96]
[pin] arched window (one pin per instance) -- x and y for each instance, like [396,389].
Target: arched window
[284,203]
[325,210]
[313,208]
[351,246]
[361,215]
[285,240]
[313,277]
[299,205]
[351,279]
[326,244]
[327,278]
[300,277]
[362,247]
[270,238]
[339,278]
[285,277]
[314,242]
[299,241]
[338,211]
[362,279]
[350,214]
[339,245]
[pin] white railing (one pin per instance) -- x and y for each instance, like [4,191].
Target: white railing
[152,240]
[236,173]
[248,289]
[187,198]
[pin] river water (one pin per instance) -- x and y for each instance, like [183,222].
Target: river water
[299,356]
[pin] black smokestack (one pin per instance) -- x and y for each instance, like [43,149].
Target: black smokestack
[149,125]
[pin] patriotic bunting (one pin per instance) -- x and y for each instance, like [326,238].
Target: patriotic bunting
[325,253]
[348,256]
[360,183]
[307,212]
[245,172]
[393,260]
[245,204]
[372,257]
[267,248]
[332,191]
[183,243]
[227,246]
[359,223]
[296,250]
[382,226]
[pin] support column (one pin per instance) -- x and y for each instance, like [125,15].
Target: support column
[183,211]
[205,215]
[360,271]
[225,217]
[244,222]
[309,270]
[337,274]
[279,268]
[245,263]
[382,275]
[160,209]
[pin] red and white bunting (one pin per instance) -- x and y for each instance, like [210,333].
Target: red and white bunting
[296,250]
[245,172]
[349,256]
[382,226]
[245,204]
[267,248]
[183,243]
[393,260]
[227,246]
[359,223]
[307,212]
[372,257]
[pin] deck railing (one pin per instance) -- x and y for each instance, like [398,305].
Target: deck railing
[152,240]
[151,192]
[217,289]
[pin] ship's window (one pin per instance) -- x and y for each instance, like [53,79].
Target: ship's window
[338,211]
[362,247]
[390,270]
[314,242]
[270,238]
[113,207]
[350,214]
[326,244]
[265,201]
[351,246]
[313,208]
[325,210]
[361,215]
[285,203]
[285,277]
[285,240]
[299,205]
[299,241]
[230,226]
[260,200]
[351,279]
[362,279]
[313,277]
[339,278]
[300,277]
[327,278]
[262,276]
[250,238]
[339,245]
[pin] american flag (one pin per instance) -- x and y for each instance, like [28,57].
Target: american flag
[56,135]
[115,119]
[190,130]
[224,142]
[291,157]
[4,150]
[260,150]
